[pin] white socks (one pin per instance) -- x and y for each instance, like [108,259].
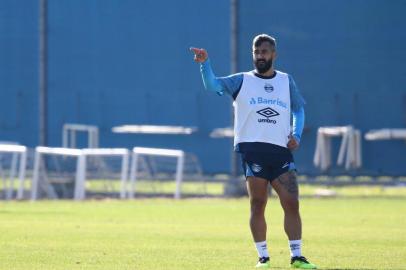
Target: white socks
[295,248]
[294,245]
[262,249]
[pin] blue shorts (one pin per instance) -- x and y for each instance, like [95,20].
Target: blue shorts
[267,165]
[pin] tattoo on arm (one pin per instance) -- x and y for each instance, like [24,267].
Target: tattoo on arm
[289,182]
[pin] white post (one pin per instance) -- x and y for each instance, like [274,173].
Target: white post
[10,187]
[124,171]
[350,162]
[316,157]
[345,144]
[83,180]
[35,177]
[358,148]
[133,175]
[179,174]
[324,152]
[23,162]
[80,178]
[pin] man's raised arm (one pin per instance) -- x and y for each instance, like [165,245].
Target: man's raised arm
[210,81]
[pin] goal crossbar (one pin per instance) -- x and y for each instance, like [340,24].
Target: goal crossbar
[58,151]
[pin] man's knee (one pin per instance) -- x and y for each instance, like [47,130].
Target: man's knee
[258,205]
[290,203]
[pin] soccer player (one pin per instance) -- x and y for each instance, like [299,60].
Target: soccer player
[265,100]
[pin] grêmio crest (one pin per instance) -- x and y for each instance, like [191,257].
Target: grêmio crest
[268,87]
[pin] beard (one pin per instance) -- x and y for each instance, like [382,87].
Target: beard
[262,65]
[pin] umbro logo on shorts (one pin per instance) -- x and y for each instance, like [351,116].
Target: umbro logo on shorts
[256,167]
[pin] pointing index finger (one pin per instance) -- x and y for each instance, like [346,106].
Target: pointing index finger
[195,50]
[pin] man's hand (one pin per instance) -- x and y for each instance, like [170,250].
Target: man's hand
[292,143]
[200,54]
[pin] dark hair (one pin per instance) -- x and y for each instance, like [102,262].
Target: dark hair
[263,38]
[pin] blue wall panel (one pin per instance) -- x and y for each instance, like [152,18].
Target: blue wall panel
[127,62]
[19,71]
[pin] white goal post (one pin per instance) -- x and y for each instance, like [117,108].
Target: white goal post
[80,171]
[80,181]
[138,151]
[350,148]
[69,135]
[15,150]
[39,152]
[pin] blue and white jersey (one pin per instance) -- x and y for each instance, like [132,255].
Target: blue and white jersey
[232,85]
[262,110]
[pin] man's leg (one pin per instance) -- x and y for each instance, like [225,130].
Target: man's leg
[258,195]
[287,188]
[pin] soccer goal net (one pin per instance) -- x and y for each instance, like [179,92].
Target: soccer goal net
[164,172]
[54,173]
[96,173]
[79,173]
[13,160]
[103,173]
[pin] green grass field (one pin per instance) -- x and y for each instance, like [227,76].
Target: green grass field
[339,233]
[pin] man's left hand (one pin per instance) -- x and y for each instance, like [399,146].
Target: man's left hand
[293,144]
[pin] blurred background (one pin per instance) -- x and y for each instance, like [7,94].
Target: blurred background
[108,63]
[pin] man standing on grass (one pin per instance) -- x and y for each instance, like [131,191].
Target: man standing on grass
[264,100]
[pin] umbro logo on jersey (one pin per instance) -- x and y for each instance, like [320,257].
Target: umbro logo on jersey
[268,112]
[268,88]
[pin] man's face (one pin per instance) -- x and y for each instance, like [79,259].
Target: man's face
[263,57]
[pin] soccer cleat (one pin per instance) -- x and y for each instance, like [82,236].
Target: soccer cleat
[302,263]
[263,263]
